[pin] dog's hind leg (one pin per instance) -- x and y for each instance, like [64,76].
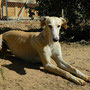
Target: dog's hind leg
[3,47]
[5,52]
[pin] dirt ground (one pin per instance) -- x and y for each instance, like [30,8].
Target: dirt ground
[16,74]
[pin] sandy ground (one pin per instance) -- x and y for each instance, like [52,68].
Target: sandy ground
[19,75]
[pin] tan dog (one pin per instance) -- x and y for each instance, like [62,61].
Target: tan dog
[45,46]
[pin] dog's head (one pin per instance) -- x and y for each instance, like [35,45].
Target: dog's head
[53,25]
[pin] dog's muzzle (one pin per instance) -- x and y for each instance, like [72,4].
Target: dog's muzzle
[55,39]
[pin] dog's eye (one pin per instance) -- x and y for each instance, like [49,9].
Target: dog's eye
[50,26]
[58,26]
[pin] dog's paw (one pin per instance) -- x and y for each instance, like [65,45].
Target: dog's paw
[88,78]
[81,82]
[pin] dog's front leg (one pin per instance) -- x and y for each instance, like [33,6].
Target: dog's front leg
[62,64]
[45,58]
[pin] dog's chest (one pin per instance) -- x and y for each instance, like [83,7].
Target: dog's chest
[51,49]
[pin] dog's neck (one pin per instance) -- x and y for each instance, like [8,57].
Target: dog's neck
[46,36]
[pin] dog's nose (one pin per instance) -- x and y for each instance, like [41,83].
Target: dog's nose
[55,39]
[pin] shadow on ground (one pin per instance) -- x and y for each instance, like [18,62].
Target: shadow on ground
[18,65]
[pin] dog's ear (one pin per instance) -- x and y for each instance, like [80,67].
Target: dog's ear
[63,22]
[43,21]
